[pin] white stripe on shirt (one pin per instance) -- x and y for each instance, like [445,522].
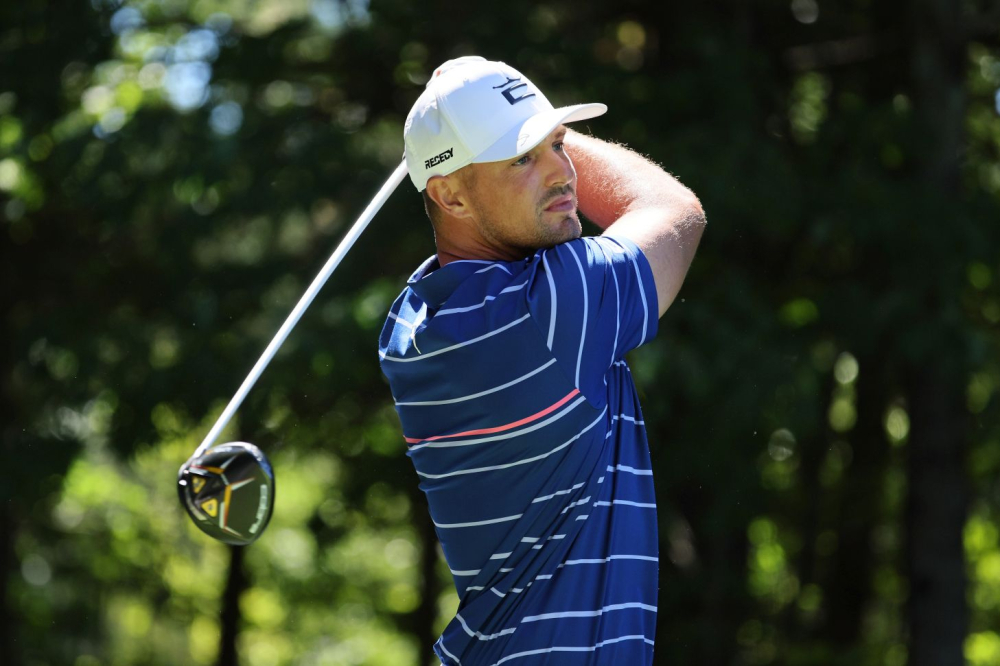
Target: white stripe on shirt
[630,470]
[642,293]
[575,504]
[424,403]
[609,558]
[476,523]
[583,329]
[550,616]
[506,435]
[593,613]
[395,317]
[537,539]
[460,344]
[477,470]
[469,308]
[641,505]
[606,560]
[558,492]
[482,637]
[445,650]
[492,266]
[618,299]
[528,653]
[552,292]
[626,417]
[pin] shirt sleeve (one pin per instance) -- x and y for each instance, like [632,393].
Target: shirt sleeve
[593,299]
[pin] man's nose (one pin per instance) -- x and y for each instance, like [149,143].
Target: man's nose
[560,169]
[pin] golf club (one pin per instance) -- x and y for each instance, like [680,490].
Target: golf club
[228,490]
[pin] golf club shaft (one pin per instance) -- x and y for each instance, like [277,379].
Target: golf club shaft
[383,194]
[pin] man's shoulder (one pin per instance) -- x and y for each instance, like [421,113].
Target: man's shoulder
[593,251]
[591,259]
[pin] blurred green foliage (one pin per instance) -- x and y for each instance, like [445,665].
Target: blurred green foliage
[174,172]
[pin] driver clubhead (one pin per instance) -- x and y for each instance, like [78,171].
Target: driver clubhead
[229,492]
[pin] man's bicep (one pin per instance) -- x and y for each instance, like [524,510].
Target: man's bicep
[667,239]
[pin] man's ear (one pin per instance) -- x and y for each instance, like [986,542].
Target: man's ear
[450,195]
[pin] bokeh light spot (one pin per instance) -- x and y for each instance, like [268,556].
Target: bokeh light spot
[186,84]
[196,45]
[897,424]
[846,368]
[126,18]
[36,570]
[805,11]
[226,118]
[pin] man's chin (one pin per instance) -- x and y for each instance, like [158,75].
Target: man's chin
[573,226]
[552,233]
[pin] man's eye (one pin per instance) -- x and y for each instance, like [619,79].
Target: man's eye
[521,161]
[558,145]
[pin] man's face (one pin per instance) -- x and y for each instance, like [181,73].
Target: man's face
[528,202]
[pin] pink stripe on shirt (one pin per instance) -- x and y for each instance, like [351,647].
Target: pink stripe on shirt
[507,426]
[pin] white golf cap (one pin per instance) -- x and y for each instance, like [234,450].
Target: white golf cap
[478,110]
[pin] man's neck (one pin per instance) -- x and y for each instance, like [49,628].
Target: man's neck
[449,252]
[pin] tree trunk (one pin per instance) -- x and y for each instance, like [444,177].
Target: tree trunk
[938,485]
[850,585]
[8,566]
[936,514]
[230,620]
[813,452]
[430,589]
[723,612]
[11,441]
[420,622]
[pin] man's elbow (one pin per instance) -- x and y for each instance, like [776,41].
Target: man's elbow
[691,222]
[685,209]
[695,212]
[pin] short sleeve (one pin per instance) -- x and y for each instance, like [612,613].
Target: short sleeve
[593,299]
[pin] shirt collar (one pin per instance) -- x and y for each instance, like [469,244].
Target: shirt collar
[435,283]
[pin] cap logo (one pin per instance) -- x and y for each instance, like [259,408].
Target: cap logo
[508,92]
[437,159]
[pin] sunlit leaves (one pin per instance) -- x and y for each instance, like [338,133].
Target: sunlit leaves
[842,413]
[10,132]
[982,388]
[982,648]
[982,549]
[20,180]
[129,516]
[897,424]
[192,163]
[808,106]
[374,302]
[771,578]
[779,465]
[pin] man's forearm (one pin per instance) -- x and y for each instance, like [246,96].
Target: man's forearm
[629,196]
[613,180]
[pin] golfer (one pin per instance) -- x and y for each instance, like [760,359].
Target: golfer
[505,358]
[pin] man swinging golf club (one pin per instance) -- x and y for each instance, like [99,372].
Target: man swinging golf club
[505,358]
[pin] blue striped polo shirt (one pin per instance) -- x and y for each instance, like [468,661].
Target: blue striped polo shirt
[523,424]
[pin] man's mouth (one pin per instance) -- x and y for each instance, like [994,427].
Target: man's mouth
[561,205]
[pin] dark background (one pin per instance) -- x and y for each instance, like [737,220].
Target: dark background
[822,399]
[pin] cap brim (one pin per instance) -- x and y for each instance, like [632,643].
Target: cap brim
[530,133]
